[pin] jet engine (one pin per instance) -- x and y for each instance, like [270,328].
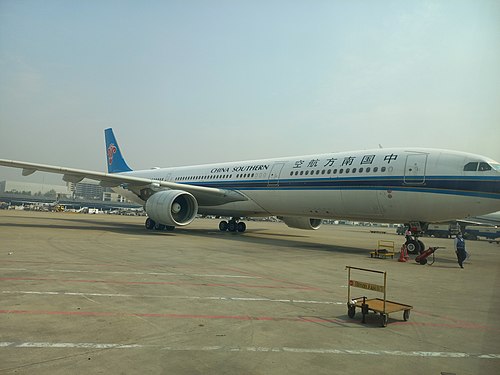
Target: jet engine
[172,207]
[302,222]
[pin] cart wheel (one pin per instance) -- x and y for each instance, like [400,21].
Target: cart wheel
[406,315]
[385,318]
[351,311]
[422,261]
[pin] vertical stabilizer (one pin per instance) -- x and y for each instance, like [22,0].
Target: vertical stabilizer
[116,162]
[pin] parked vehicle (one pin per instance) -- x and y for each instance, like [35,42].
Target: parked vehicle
[442,230]
[473,232]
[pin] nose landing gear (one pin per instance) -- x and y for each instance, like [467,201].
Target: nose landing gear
[413,244]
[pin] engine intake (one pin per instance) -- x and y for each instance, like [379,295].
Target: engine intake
[172,207]
[302,222]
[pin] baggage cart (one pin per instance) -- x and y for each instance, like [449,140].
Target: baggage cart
[381,306]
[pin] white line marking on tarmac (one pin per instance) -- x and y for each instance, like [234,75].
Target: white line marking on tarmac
[136,273]
[238,299]
[329,351]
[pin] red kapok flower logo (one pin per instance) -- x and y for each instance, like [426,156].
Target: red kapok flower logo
[111,152]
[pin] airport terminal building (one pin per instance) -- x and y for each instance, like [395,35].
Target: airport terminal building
[32,188]
[81,190]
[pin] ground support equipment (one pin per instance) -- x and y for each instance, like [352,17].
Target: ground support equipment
[422,258]
[377,305]
[385,249]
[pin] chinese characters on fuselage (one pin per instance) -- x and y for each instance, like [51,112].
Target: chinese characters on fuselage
[346,161]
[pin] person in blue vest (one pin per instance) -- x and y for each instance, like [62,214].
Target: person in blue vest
[460,249]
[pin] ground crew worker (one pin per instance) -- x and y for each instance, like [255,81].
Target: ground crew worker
[460,249]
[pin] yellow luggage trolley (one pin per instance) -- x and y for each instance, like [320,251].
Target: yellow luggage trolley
[377,305]
[385,249]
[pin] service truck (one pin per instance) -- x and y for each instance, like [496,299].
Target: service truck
[473,232]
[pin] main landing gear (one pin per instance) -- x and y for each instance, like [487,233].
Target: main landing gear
[233,225]
[150,224]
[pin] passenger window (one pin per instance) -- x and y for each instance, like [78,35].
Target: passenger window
[341,171]
[484,167]
[382,169]
[375,169]
[360,170]
[470,167]
[354,170]
[335,171]
[317,172]
[347,170]
[367,169]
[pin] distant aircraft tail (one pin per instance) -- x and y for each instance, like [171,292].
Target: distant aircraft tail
[116,162]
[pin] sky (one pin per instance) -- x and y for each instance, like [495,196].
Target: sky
[193,81]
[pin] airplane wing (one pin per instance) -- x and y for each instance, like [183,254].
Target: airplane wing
[206,196]
[479,221]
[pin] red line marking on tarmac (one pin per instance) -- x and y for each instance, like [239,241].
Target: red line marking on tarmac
[465,325]
[443,317]
[153,283]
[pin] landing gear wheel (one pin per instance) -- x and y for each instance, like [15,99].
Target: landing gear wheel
[223,225]
[406,315]
[169,228]
[385,319]
[150,223]
[413,246]
[160,227]
[241,227]
[232,226]
[351,311]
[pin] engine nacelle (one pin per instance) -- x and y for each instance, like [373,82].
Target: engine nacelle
[302,222]
[172,207]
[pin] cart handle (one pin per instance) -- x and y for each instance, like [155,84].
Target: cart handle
[363,269]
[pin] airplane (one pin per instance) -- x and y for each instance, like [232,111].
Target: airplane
[492,220]
[416,186]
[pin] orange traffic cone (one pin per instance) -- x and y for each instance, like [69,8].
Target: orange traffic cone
[403,255]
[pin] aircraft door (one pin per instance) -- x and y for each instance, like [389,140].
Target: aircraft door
[415,169]
[274,175]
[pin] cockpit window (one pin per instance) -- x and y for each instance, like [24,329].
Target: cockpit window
[484,167]
[471,167]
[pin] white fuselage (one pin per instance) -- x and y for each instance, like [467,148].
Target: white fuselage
[383,185]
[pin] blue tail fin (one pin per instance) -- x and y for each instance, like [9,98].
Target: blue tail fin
[116,162]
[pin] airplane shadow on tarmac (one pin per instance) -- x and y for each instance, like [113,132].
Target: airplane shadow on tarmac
[253,236]
[278,240]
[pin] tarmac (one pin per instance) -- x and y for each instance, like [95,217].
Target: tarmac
[99,294]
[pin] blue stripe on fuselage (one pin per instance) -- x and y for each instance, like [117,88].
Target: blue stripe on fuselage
[487,186]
